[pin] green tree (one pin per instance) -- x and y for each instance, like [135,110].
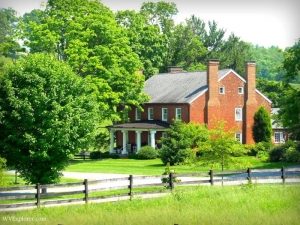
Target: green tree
[181,140]
[262,128]
[86,35]
[289,113]
[47,113]
[268,62]
[221,148]
[8,23]
[146,40]
[234,53]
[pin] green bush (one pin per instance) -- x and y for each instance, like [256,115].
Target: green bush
[184,156]
[95,155]
[260,147]
[133,156]
[147,152]
[278,153]
[2,169]
[292,155]
[103,155]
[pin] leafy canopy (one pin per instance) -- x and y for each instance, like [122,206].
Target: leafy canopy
[221,148]
[47,113]
[180,140]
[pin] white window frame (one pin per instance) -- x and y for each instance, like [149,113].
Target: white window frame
[222,90]
[164,114]
[137,114]
[240,90]
[279,139]
[150,113]
[236,112]
[240,138]
[178,113]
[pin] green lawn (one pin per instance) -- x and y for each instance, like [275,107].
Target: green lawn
[243,204]
[153,167]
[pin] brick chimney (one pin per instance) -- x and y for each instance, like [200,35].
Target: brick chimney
[175,69]
[250,98]
[213,103]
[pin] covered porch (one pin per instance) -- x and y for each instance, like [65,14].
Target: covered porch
[130,137]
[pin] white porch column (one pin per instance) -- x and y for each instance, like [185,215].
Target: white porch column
[125,132]
[138,140]
[152,132]
[112,140]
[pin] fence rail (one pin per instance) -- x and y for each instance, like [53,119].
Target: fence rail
[130,186]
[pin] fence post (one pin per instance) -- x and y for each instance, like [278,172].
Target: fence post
[283,174]
[171,182]
[38,194]
[249,175]
[130,186]
[211,173]
[86,190]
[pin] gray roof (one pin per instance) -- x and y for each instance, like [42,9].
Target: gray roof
[178,87]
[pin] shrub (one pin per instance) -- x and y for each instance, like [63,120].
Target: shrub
[103,155]
[278,153]
[95,155]
[184,156]
[2,169]
[133,156]
[260,147]
[292,155]
[147,152]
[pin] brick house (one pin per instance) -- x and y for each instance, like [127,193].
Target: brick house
[192,97]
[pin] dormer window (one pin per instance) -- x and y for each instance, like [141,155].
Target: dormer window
[222,90]
[240,90]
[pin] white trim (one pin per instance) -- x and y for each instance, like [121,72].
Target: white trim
[162,114]
[242,90]
[176,114]
[223,90]
[149,113]
[197,96]
[241,136]
[235,113]
[263,96]
[281,138]
[235,73]
[137,112]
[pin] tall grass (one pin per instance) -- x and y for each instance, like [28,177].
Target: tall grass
[245,204]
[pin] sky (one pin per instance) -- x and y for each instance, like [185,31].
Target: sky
[260,22]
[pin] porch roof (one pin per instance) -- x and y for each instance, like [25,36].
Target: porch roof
[142,124]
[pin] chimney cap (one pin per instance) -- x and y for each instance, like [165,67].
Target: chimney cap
[250,61]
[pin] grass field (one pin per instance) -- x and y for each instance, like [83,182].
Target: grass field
[245,204]
[155,166]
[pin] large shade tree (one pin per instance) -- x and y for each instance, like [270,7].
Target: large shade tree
[85,35]
[47,113]
[289,113]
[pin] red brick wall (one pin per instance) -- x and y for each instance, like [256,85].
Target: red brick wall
[198,109]
[231,100]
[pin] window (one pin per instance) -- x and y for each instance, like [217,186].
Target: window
[222,90]
[178,113]
[164,114]
[238,137]
[238,114]
[150,113]
[240,90]
[278,137]
[137,114]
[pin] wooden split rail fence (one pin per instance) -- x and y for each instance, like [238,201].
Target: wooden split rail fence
[133,186]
